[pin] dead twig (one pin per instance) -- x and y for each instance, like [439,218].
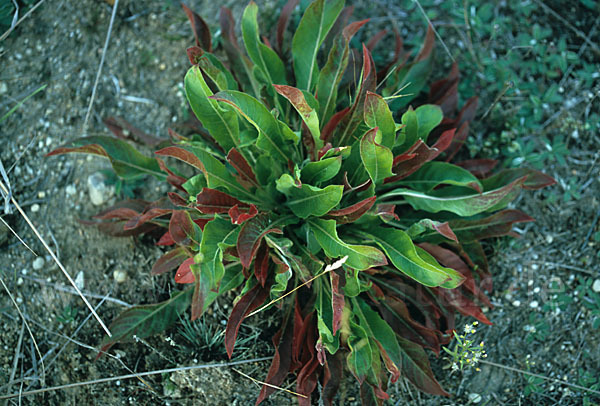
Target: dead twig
[60,265]
[16,359]
[28,329]
[135,375]
[268,384]
[106,42]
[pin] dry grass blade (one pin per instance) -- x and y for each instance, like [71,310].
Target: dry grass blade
[134,375]
[28,329]
[60,265]
[106,42]
[434,30]
[16,358]
[17,235]
[328,268]
[268,384]
[13,26]
[572,385]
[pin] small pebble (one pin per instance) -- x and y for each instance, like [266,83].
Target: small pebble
[120,276]
[35,208]
[80,280]
[516,303]
[3,88]
[19,281]
[70,190]
[42,194]
[549,239]
[596,286]
[536,290]
[534,304]
[99,191]
[38,263]
[474,397]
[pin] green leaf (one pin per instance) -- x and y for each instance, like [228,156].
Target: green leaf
[376,158]
[459,201]
[360,357]
[333,71]
[378,114]
[218,234]
[429,116]
[263,57]
[126,161]
[222,124]
[324,309]
[400,249]
[146,320]
[433,174]
[321,171]
[309,200]
[410,131]
[307,113]
[217,72]
[282,275]
[215,172]
[312,30]
[270,137]
[359,256]
[380,331]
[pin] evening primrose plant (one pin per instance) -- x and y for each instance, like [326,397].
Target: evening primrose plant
[322,191]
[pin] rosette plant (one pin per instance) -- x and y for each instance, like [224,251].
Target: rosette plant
[322,191]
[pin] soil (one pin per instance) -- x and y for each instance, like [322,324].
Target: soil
[60,45]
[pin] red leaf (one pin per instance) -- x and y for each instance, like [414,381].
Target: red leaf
[169,261]
[211,201]
[200,28]
[459,140]
[535,179]
[398,51]
[427,47]
[182,228]
[375,39]
[166,239]
[415,366]
[194,54]
[352,213]
[332,377]
[183,155]
[406,166]
[238,217]
[155,209]
[282,23]
[445,230]
[444,92]
[125,130]
[451,260]
[173,179]
[387,212]
[456,300]
[251,235]
[242,167]
[124,210]
[184,274]
[280,366]
[479,167]
[332,124]
[337,301]
[261,265]
[177,200]
[247,303]
[397,315]
[496,225]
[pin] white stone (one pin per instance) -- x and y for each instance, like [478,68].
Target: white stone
[80,280]
[41,194]
[474,397]
[3,88]
[596,286]
[35,208]
[534,304]
[38,263]
[516,303]
[99,191]
[70,190]
[119,275]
